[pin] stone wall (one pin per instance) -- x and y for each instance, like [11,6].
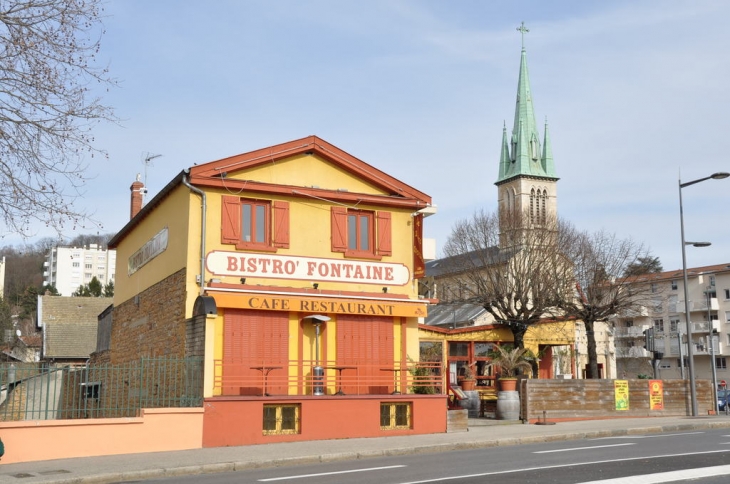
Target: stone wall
[152,323]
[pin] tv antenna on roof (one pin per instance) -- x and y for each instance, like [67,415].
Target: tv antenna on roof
[147,162]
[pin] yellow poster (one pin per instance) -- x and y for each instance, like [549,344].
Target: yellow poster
[656,395]
[621,394]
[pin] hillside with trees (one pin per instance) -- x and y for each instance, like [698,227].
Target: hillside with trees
[24,281]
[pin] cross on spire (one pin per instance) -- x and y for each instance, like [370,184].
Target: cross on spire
[523,30]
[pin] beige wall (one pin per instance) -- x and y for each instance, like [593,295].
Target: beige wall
[156,430]
[173,213]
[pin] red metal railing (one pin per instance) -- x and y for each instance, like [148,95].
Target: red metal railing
[269,378]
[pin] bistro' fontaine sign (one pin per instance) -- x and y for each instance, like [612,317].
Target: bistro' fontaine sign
[221,263]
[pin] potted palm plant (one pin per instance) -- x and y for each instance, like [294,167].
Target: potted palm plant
[467,380]
[510,360]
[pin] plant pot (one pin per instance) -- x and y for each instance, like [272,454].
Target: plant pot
[467,385]
[508,384]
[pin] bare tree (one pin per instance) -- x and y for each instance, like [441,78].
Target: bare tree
[48,54]
[508,265]
[599,262]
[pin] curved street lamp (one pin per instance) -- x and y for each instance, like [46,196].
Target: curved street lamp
[690,349]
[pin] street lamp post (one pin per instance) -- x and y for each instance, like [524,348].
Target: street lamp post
[690,349]
[712,351]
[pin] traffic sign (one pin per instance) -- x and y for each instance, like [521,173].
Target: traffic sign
[723,383]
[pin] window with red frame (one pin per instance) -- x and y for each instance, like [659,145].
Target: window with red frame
[361,233]
[255,224]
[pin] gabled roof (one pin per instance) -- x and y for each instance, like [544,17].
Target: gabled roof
[69,325]
[311,145]
[217,174]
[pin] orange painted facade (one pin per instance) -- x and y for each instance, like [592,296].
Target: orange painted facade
[236,421]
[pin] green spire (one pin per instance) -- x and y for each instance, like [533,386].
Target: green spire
[504,159]
[547,154]
[526,157]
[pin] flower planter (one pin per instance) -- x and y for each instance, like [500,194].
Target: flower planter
[467,385]
[508,384]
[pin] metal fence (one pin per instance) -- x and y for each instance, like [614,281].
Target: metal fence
[47,392]
[253,377]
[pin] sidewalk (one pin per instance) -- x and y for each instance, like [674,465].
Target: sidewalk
[482,433]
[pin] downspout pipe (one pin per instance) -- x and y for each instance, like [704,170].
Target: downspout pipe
[204,207]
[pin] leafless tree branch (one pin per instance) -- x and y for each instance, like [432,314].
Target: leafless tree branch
[48,52]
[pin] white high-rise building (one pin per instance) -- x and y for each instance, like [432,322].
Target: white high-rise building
[67,268]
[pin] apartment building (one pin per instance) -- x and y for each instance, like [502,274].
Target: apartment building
[708,290]
[67,268]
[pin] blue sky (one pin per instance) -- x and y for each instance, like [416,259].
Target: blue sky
[635,93]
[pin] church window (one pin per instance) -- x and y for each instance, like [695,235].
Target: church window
[532,206]
[543,203]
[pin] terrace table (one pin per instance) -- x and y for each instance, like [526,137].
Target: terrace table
[265,370]
[339,376]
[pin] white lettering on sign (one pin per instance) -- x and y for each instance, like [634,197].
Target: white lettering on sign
[154,247]
[221,263]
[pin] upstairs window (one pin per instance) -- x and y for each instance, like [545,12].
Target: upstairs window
[255,224]
[361,233]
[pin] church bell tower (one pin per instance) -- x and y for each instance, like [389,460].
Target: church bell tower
[527,181]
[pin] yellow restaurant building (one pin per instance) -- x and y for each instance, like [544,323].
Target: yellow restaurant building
[292,271]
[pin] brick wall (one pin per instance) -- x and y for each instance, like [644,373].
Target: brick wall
[152,323]
[195,339]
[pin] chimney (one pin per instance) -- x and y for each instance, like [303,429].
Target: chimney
[136,202]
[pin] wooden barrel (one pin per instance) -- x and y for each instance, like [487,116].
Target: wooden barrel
[508,406]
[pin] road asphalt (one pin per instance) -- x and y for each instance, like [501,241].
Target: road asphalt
[482,433]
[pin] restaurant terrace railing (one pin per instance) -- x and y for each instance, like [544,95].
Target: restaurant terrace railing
[46,392]
[251,377]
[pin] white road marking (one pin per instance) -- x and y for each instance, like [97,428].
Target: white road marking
[672,476]
[581,448]
[576,464]
[647,436]
[330,473]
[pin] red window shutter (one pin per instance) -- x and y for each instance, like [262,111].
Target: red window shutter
[385,246]
[281,224]
[366,342]
[254,338]
[230,220]
[339,229]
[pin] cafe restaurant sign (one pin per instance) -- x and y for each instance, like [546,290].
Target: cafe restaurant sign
[237,264]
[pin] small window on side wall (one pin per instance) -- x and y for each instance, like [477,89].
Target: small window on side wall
[255,224]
